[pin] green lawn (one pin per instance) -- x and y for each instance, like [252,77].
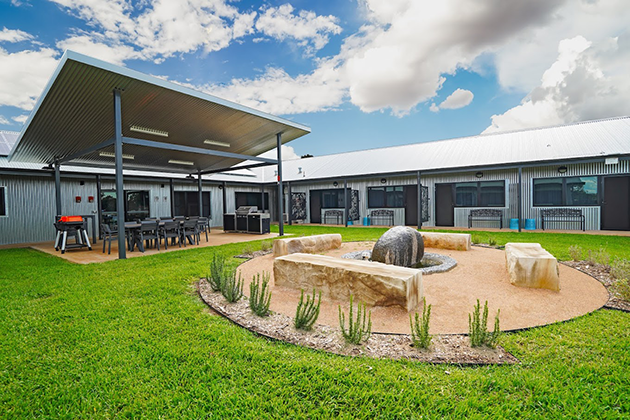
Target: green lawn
[131,339]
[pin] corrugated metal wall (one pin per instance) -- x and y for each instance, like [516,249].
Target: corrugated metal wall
[31,202]
[510,176]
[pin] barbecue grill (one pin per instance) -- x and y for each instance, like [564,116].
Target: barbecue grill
[246,219]
[71,226]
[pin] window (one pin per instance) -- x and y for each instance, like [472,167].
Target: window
[3,201]
[480,194]
[333,199]
[569,191]
[252,199]
[386,197]
[187,203]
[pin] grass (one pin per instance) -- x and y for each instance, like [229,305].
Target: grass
[131,339]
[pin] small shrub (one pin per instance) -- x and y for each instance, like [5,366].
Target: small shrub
[231,288]
[475,239]
[492,241]
[358,330]
[248,249]
[622,288]
[259,294]
[420,328]
[266,246]
[477,327]
[307,311]
[575,252]
[215,277]
[601,256]
[620,269]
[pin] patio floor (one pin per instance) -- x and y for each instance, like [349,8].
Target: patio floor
[96,255]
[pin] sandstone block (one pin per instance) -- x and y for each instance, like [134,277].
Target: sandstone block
[373,283]
[306,244]
[400,245]
[529,265]
[455,241]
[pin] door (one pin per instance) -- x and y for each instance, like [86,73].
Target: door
[444,215]
[411,205]
[316,206]
[616,203]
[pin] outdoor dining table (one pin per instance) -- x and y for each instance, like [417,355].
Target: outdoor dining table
[133,239]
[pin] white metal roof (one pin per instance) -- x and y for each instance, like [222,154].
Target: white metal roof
[592,139]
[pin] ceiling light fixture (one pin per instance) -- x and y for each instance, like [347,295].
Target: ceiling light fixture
[181,162]
[216,143]
[562,169]
[113,155]
[479,174]
[146,130]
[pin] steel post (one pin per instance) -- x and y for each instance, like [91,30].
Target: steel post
[419,200]
[199,187]
[57,189]
[520,200]
[120,192]
[280,195]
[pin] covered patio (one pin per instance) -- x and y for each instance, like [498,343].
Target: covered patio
[99,115]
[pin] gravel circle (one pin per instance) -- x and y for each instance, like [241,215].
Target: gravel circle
[436,263]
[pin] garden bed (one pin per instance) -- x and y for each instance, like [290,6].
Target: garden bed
[453,348]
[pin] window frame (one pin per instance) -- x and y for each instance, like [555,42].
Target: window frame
[3,192]
[478,196]
[565,191]
[385,195]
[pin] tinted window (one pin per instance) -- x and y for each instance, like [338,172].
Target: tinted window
[491,194]
[466,194]
[582,191]
[3,201]
[548,192]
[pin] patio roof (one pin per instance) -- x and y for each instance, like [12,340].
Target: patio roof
[73,123]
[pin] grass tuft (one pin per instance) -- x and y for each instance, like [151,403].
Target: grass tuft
[307,311]
[358,329]
[231,287]
[259,294]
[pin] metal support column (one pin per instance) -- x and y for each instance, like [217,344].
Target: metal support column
[57,189]
[280,195]
[199,187]
[520,200]
[224,185]
[419,200]
[172,188]
[99,211]
[120,192]
[262,198]
[345,201]
[289,203]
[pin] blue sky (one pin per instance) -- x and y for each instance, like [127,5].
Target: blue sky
[361,73]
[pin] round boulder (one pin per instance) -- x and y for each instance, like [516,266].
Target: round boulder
[400,245]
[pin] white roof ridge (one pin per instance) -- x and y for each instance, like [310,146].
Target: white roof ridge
[475,136]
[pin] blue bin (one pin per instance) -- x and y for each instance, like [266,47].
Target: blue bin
[514,224]
[350,222]
[530,224]
[366,221]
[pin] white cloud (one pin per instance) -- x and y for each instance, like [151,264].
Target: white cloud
[20,118]
[521,61]
[277,92]
[90,45]
[458,99]
[24,75]
[288,153]
[14,35]
[161,29]
[412,45]
[310,30]
[3,120]
[587,81]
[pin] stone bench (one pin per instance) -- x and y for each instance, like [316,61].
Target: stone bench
[306,244]
[373,283]
[529,265]
[455,241]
